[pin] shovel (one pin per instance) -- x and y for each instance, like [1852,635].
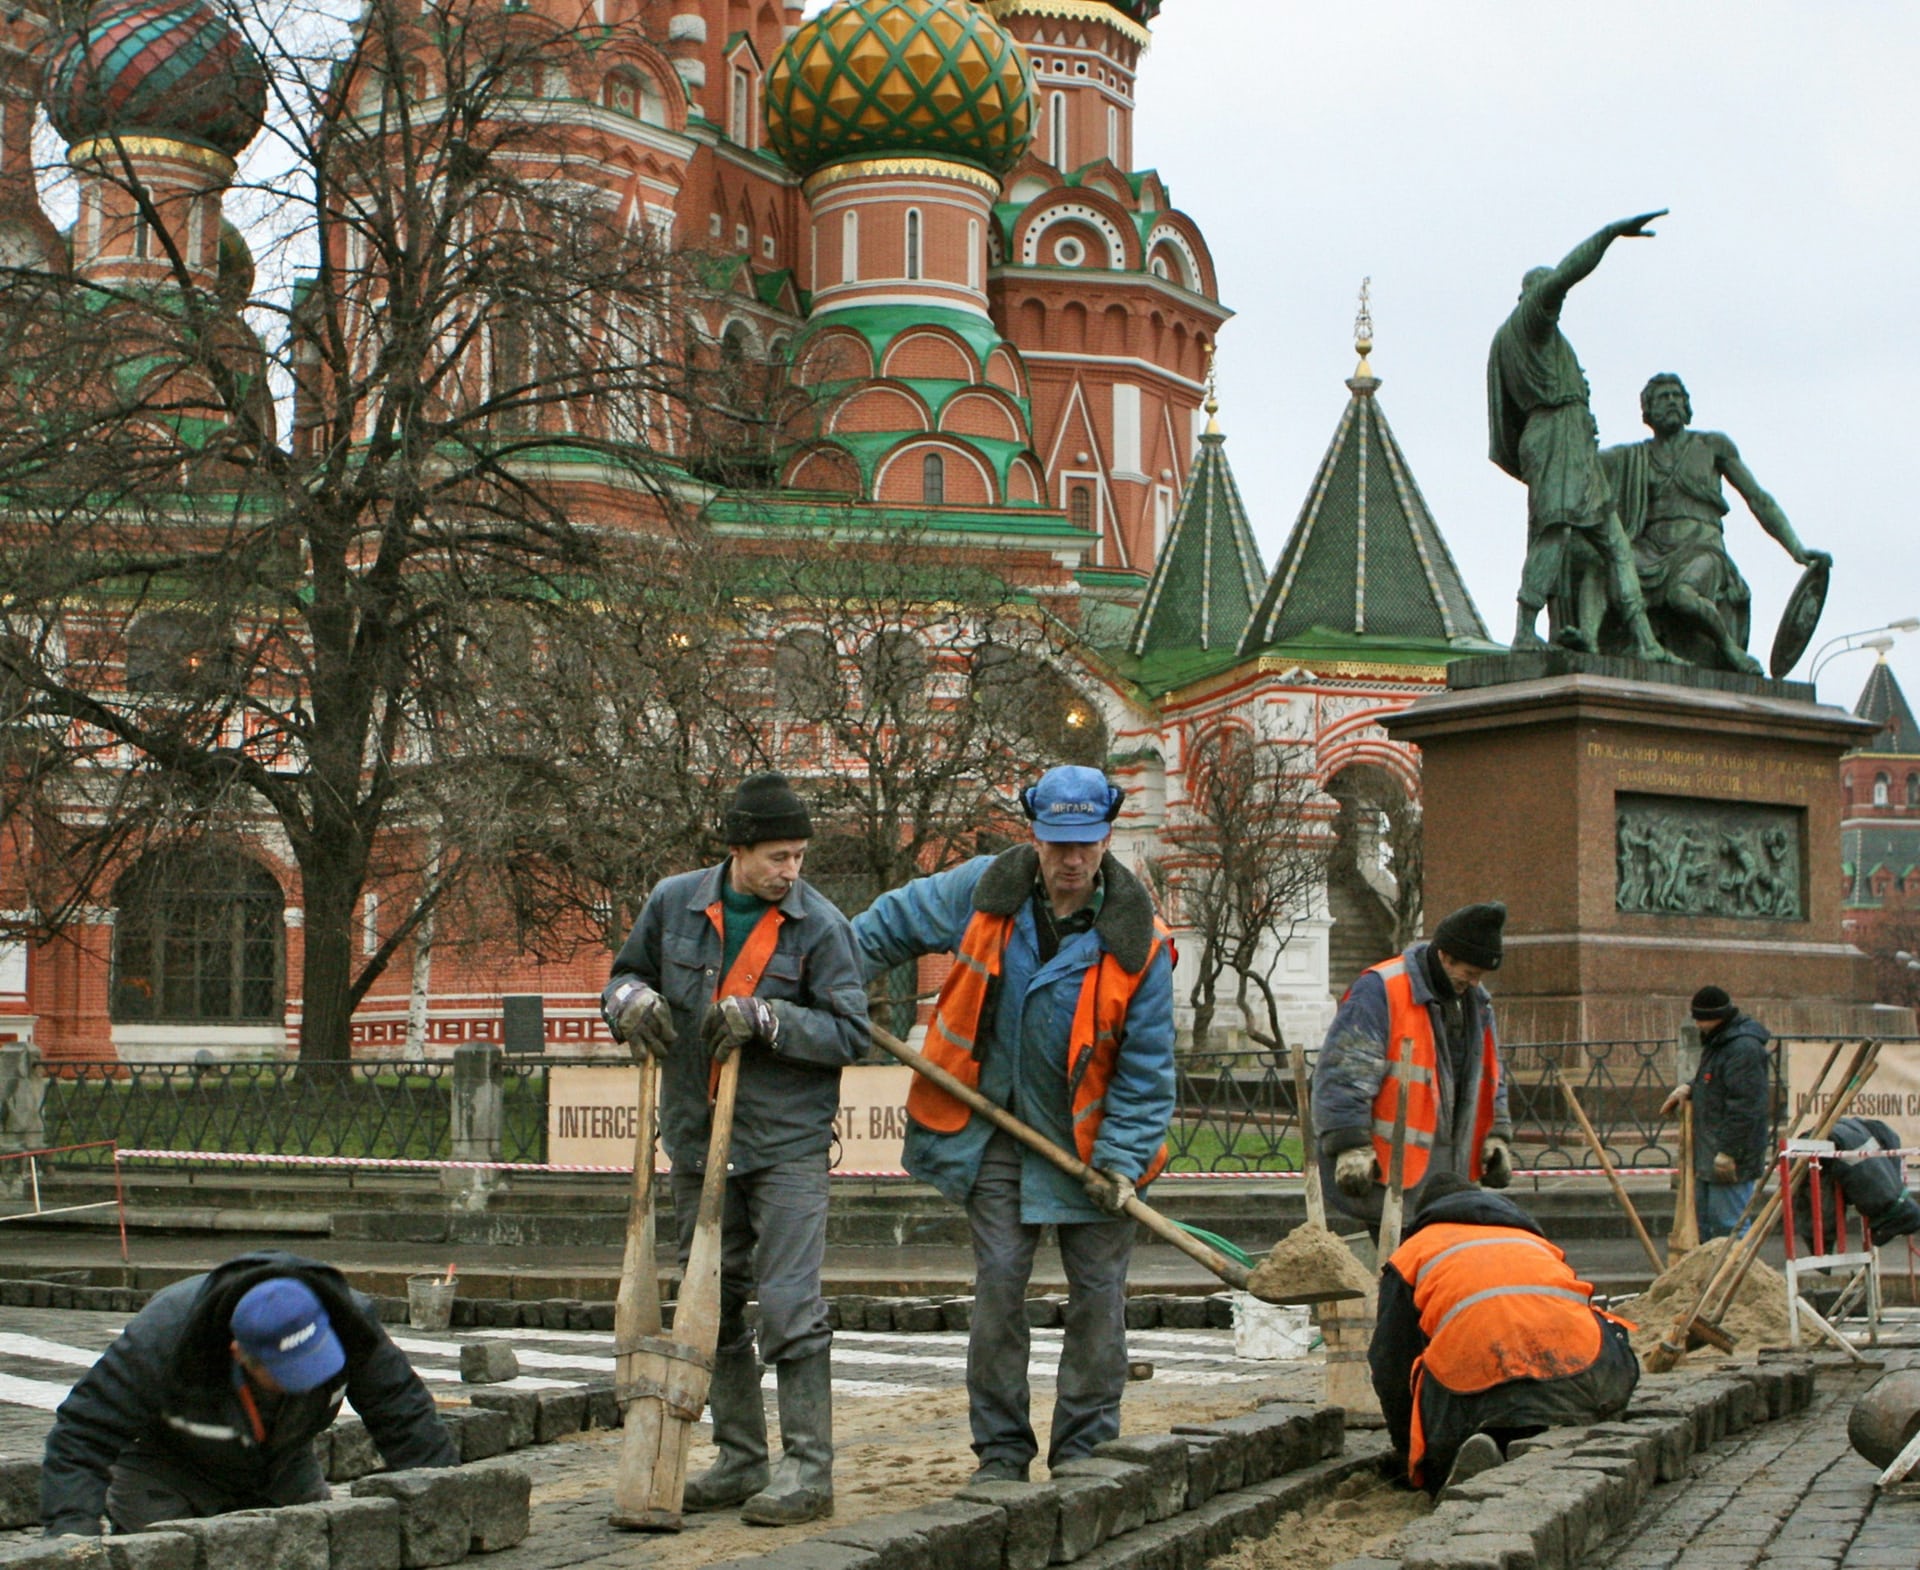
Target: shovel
[1235,1275]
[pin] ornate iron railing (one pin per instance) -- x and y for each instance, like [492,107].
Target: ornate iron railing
[1234,1113]
[255,1108]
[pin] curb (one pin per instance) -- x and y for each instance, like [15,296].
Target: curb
[1563,1494]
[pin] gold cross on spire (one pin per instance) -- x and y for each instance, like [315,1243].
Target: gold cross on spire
[1363,329]
[1213,396]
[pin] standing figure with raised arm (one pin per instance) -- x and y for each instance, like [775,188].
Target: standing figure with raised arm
[1542,433]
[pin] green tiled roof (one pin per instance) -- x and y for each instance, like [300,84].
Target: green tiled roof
[1207,580]
[1366,557]
[1882,701]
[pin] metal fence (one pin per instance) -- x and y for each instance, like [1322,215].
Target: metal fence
[1235,1113]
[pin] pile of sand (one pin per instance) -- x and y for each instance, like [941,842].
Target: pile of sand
[1756,1317]
[1309,1262]
[1362,1518]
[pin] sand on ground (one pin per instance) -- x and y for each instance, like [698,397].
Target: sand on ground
[1361,1517]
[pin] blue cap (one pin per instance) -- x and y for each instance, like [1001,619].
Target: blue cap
[282,1327]
[1072,805]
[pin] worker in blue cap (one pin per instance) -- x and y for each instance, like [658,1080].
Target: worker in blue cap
[210,1400]
[1059,1007]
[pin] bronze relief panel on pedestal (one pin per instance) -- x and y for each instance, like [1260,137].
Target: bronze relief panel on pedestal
[1679,857]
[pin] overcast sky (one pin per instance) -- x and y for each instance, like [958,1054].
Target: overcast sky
[1444,148]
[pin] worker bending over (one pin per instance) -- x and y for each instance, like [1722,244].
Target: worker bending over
[1485,1335]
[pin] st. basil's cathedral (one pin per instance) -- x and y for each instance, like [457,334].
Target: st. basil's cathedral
[932,215]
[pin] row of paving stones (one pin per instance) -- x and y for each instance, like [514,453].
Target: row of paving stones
[1791,1496]
[896,1315]
[389,1521]
[1562,1495]
[1148,1502]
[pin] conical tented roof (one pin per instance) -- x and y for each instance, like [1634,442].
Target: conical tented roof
[1882,701]
[1207,579]
[1366,557]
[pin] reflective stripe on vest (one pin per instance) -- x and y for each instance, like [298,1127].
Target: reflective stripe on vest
[1409,1021]
[748,966]
[1495,1304]
[1093,1046]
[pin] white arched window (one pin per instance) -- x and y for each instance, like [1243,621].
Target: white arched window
[742,128]
[973,253]
[1113,133]
[1057,130]
[914,268]
[850,247]
[933,480]
[1882,790]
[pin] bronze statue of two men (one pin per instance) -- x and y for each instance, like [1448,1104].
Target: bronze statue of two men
[1626,549]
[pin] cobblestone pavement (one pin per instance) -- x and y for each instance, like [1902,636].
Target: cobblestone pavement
[900,1421]
[1789,1495]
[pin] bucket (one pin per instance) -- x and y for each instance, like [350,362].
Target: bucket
[430,1302]
[1267,1331]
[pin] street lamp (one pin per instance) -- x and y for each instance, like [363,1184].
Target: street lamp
[1867,638]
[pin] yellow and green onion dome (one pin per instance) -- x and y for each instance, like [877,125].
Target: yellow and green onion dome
[900,78]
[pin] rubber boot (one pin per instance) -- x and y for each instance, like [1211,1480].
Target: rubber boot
[802,1486]
[739,1429]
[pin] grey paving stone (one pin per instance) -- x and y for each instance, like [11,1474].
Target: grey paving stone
[1143,1312]
[559,1413]
[301,1540]
[362,1534]
[1089,1506]
[153,1551]
[1033,1519]
[957,1313]
[352,1452]
[1229,1454]
[499,1498]
[56,1553]
[1204,1464]
[1164,1458]
[918,1316]
[1159,1545]
[436,1521]
[488,1362]
[1043,1313]
[603,1406]
[522,1408]
[483,1433]
[1130,1512]
[19,1492]
[1184,1313]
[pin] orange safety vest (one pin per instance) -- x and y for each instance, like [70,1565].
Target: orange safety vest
[1410,1021]
[1495,1304]
[748,966]
[1093,1046]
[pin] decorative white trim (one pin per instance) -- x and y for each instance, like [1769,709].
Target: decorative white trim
[1116,243]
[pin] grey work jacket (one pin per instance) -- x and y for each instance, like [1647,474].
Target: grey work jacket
[789,1093]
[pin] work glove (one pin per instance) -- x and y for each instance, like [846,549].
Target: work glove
[1108,1190]
[1355,1171]
[1496,1163]
[639,1016]
[733,1022]
[1672,1103]
[1725,1170]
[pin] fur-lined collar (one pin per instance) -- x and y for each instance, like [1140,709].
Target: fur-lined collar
[1125,922]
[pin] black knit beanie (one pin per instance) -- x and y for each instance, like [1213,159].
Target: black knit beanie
[765,808]
[1711,1004]
[1472,935]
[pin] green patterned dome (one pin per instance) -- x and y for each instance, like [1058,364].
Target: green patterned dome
[886,78]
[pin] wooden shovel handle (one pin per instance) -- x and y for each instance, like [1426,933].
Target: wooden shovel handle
[1234,1274]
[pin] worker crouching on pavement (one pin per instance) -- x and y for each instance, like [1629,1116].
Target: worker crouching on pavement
[1485,1335]
[748,957]
[1426,1008]
[210,1400]
[1059,1007]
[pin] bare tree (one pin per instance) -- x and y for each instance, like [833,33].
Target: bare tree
[1248,865]
[217,629]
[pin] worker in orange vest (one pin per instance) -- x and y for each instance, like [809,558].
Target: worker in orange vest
[1485,1335]
[748,957]
[1421,1019]
[1059,1007]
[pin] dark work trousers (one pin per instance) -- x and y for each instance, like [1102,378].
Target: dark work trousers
[1526,1406]
[1093,1361]
[773,1239]
[147,1486]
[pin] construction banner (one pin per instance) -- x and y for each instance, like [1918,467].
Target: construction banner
[591,1111]
[1892,1095]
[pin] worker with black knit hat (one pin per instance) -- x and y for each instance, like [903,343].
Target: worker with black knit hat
[1730,1094]
[1421,1018]
[748,957]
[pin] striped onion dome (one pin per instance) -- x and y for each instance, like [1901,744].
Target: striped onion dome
[172,68]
